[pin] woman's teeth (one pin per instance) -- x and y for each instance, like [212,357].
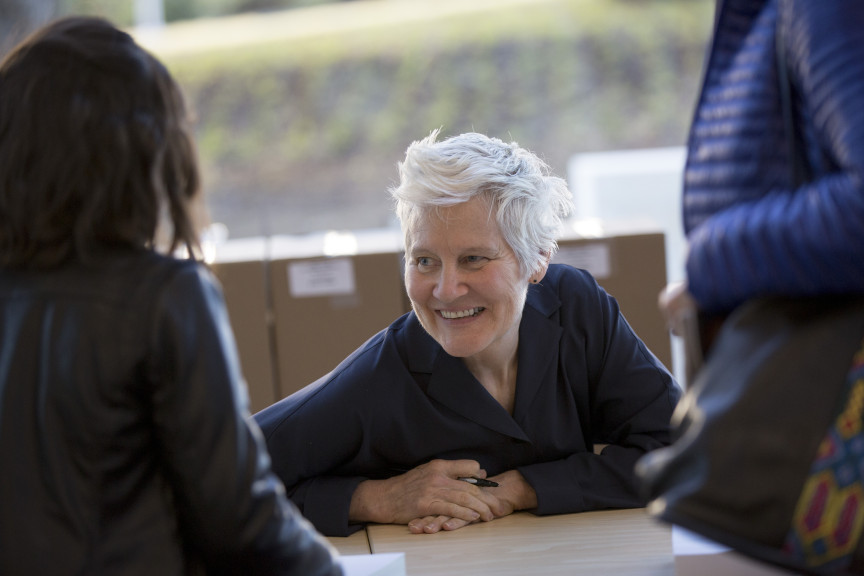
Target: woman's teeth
[461,313]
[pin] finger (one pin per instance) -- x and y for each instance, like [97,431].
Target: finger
[428,525]
[468,503]
[416,525]
[454,524]
[458,468]
[497,506]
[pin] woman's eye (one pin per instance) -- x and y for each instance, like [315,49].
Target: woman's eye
[423,261]
[474,260]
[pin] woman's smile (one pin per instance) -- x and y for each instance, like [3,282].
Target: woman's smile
[456,314]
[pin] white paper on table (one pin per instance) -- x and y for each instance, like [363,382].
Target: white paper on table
[391,564]
[686,543]
[696,555]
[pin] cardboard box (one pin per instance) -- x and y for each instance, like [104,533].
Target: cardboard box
[632,268]
[243,272]
[325,307]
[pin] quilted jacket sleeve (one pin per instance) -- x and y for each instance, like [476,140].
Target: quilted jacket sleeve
[809,240]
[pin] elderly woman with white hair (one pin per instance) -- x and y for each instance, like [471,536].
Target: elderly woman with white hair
[508,369]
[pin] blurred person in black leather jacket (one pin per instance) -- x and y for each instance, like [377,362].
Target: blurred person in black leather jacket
[126,446]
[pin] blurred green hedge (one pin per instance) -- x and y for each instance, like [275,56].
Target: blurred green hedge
[121,11]
[303,134]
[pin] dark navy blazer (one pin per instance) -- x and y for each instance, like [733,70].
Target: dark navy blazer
[399,401]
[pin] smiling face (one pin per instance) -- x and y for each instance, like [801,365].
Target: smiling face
[465,284]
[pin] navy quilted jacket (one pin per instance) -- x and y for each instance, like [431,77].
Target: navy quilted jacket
[751,232]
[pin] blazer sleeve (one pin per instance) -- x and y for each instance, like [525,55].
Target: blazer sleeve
[309,434]
[626,398]
[810,240]
[231,506]
[319,437]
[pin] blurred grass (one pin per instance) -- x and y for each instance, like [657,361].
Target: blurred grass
[300,126]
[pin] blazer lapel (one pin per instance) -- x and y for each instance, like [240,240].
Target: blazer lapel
[453,385]
[539,337]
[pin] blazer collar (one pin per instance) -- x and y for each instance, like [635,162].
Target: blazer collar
[453,385]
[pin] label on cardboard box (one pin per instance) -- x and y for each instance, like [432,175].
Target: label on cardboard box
[592,257]
[328,277]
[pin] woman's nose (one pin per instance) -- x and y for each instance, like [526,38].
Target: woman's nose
[450,284]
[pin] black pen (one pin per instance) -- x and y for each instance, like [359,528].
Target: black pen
[481,482]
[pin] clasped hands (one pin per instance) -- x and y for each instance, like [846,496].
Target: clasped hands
[430,497]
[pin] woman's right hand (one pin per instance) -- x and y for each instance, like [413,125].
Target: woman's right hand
[431,489]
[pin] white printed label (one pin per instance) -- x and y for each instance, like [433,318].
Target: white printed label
[330,277]
[593,257]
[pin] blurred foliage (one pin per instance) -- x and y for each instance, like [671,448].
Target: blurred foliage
[302,133]
[118,11]
[121,12]
[305,134]
[185,9]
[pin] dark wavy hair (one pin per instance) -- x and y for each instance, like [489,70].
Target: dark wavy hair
[95,148]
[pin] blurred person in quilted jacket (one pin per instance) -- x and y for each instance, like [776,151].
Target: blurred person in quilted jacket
[760,221]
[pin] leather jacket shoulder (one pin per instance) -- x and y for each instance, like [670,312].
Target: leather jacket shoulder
[125,441]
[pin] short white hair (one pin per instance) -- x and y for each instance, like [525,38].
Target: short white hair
[528,202]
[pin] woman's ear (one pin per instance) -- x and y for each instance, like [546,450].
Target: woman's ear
[540,271]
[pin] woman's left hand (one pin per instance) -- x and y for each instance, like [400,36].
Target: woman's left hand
[513,493]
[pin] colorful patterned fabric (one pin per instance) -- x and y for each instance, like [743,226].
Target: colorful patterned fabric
[829,518]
